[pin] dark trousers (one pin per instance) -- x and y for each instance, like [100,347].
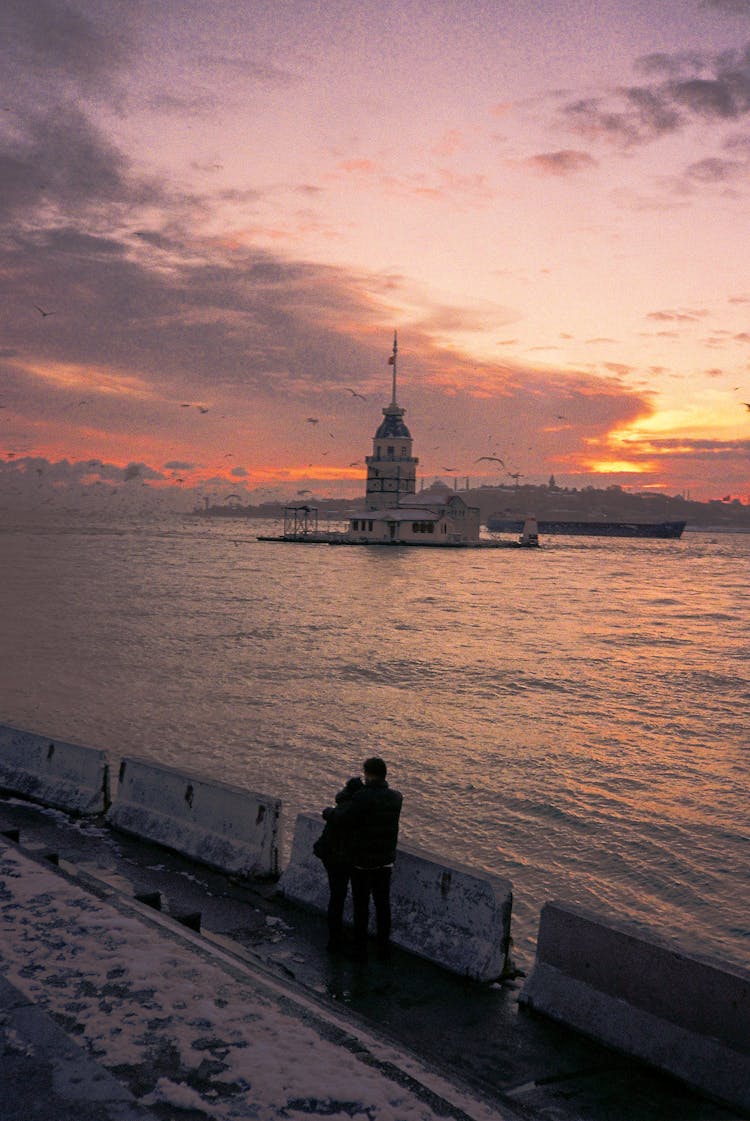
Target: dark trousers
[375,882]
[338,885]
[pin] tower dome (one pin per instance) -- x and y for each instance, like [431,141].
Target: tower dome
[392,424]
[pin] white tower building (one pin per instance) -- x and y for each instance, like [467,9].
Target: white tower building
[391,469]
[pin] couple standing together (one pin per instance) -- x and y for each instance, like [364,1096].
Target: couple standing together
[359,846]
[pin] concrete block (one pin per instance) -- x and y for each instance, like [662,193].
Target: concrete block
[225,827]
[685,1015]
[64,775]
[452,915]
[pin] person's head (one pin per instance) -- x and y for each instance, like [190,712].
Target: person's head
[374,769]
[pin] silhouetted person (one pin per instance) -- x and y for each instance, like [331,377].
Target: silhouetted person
[335,850]
[369,821]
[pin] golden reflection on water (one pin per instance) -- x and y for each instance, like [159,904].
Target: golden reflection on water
[567,717]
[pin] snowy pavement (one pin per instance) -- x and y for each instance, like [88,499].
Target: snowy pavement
[190,1029]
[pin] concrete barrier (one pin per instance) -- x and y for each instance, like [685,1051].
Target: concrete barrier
[64,775]
[450,914]
[683,1015]
[226,827]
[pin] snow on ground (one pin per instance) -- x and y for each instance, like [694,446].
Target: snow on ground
[174,1025]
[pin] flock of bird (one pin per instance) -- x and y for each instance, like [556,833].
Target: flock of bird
[314,421]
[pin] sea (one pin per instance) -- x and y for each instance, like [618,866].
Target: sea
[572,718]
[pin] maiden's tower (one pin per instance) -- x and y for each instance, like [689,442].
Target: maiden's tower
[393,512]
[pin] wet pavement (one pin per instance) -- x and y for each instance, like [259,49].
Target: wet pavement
[474,1035]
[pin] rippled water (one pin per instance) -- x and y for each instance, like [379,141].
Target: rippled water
[574,718]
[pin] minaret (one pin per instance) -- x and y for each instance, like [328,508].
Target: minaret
[391,469]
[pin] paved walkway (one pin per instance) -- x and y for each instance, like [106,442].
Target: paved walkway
[125,1012]
[45,1074]
[181,1023]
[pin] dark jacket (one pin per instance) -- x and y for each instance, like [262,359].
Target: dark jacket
[369,821]
[334,846]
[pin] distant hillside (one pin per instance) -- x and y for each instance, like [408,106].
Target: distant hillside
[542,501]
[612,503]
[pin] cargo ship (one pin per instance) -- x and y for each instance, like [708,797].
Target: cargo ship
[590,528]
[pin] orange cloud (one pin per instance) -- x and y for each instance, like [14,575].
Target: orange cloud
[361,165]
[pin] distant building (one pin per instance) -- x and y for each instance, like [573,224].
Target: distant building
[393,512]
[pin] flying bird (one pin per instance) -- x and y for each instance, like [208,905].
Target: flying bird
[355,394]
[202,408]
[746,404]
[42,312]
[450,469]
[312,420]
[492,459]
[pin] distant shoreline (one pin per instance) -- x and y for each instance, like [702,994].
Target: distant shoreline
[542,502]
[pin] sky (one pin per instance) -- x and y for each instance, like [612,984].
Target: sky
[213,218]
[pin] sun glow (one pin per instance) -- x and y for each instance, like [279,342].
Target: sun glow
[621,467]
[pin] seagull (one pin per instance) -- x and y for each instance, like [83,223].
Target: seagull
[450,469]
[312,420]
[492,459]
[42,312]
[355,394]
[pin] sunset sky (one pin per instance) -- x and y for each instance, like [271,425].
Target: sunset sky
[215,214]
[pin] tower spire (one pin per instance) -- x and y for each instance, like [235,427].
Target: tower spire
[392,362]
